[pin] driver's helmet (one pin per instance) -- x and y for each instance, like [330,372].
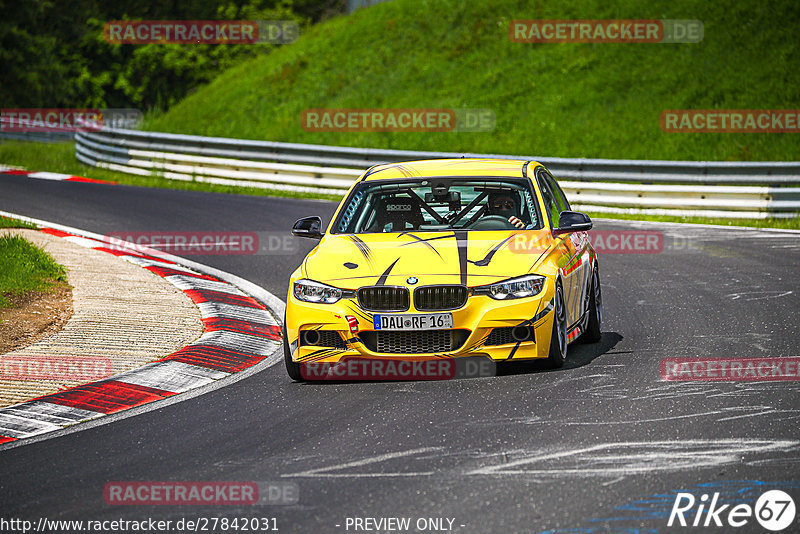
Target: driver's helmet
[504,203]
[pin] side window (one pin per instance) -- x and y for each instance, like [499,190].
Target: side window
[561,198]
[550,204]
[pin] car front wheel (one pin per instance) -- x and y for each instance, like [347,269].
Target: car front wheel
[292,367]
[558,338]
[595,323]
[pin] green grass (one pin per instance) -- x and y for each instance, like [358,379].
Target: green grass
[25,267]
[6,222]
[565,100]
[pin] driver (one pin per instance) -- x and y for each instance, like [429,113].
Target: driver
[505,205]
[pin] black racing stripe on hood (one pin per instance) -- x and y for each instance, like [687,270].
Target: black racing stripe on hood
[424,242]
[382,280]
[447,236]
[488,258]
[461,240]
[362,247]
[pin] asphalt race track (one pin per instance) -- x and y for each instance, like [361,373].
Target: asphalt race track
[595,445]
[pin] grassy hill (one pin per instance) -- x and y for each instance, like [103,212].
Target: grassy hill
[568,100]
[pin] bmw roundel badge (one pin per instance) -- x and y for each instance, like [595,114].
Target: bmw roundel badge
[413,280]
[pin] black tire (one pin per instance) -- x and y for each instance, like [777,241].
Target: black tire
[292,367]
[558,338]
[592,333]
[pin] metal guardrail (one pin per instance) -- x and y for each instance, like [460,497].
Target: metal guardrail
[716,189]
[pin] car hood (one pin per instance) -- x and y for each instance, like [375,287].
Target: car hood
[350,261]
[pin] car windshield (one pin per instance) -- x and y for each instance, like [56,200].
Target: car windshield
[438,204]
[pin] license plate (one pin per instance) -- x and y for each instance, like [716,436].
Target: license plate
[421,321]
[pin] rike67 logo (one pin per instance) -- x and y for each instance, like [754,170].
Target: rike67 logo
[774,510]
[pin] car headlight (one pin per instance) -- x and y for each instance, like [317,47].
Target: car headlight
[311,291]
[513,288]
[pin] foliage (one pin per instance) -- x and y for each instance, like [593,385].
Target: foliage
[53,54]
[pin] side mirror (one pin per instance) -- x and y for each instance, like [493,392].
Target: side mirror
[308,227]
[572,221]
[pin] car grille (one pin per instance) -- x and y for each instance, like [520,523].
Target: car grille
[415,342]
[440,297]
[327,338]
[383,298]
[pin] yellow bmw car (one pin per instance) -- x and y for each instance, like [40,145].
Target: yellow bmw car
[443,259]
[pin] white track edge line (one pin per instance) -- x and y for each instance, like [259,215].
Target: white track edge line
[274,305]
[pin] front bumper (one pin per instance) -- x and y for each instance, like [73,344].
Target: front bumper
[476,319]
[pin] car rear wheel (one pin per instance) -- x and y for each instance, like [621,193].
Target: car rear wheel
[292,367]
[558,338]
[592,333]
